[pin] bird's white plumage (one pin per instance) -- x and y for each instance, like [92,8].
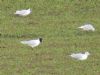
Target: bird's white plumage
[87,27]
[31,43]
[80,56]
[23,12]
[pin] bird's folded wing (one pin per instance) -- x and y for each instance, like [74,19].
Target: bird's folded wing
[76,55]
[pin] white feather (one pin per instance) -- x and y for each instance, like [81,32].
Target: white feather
[23,12]
[80,56]
[31,43]
[87,27]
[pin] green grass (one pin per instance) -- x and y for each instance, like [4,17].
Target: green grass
[56,21]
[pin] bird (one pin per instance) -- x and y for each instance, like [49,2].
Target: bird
[23,12]
[32,43]
[80,56]
[87,27]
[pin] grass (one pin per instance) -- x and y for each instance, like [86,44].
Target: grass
[56,21]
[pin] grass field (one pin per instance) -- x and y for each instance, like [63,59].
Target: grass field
[56,21]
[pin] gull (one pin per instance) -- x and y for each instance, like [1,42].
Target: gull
[32,43]
[23,12]
[87,27]
[80,56]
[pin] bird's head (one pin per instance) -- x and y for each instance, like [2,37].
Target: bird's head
[29,10]
[40,39]
[87,53]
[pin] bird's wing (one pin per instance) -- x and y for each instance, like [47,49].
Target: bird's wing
[21,12]
[28,42]
[77,55]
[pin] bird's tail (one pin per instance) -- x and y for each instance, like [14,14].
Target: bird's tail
[23,42]
[80,27]
[17,12]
